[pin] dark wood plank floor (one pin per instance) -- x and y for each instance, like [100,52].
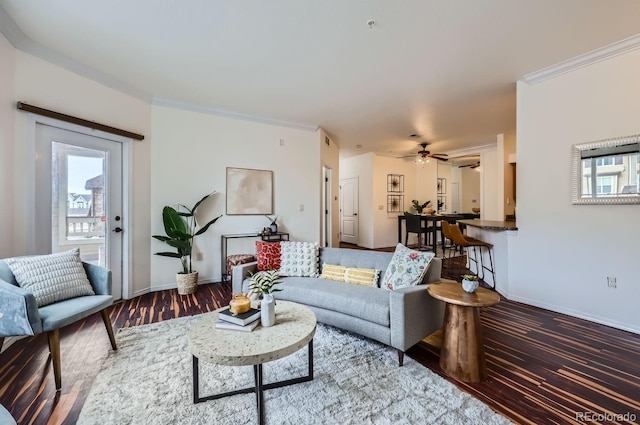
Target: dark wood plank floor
[544,367]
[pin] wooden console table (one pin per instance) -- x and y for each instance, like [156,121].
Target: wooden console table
[462,350]
[272,237]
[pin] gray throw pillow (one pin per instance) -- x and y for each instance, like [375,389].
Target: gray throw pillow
[52,277]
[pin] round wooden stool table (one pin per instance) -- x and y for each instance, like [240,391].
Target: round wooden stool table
[462,349]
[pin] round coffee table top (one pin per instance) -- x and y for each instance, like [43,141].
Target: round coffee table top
[452,293]
[295,327]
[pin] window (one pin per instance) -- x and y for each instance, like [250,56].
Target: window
[605,185]
[600,162]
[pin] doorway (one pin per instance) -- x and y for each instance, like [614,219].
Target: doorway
[349,210]
[326,207]
[79,197]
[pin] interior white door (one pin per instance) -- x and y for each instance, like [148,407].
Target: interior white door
[455,197]
[78,197]
[349,210]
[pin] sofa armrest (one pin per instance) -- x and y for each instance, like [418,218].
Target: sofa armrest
[19,311]
[99,277]
[414,315]
[239,273]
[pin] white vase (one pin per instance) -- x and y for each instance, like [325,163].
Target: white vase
[268,311]
[469,285]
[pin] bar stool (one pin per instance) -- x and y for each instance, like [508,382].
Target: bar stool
[468,242]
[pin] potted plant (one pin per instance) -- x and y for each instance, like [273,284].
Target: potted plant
[180,227]
[273,227]
[418,206]
[470,282]
[263,283]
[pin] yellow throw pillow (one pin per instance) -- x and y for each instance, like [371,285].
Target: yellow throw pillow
[333,272]
[365,277]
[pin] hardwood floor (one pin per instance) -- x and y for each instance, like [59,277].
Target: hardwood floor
[544,367]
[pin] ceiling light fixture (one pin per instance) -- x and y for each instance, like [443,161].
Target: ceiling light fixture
[421,160]
[371,23]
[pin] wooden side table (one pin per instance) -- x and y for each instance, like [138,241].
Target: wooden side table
[462,351]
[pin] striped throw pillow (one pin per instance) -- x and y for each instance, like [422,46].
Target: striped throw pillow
[333,272]
[53,277]
[365,277]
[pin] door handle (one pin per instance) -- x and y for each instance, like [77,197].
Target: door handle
[117,229]
[355,213]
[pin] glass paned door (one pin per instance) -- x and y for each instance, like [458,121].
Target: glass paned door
[78,203]
[78,198]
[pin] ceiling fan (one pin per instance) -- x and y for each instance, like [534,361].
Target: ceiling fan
[423,154]
[474,165]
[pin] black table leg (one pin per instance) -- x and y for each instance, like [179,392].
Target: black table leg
[257,370]
[258,388]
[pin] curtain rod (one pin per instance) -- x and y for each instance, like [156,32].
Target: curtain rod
[79,121]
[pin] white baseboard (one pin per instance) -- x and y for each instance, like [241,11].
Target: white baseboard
[171,285]
[574,313]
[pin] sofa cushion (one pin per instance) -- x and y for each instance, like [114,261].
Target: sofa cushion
[52,277]
[269,255]
[299,259]
[333,272]
[407,268]
[366,277]
[371,304]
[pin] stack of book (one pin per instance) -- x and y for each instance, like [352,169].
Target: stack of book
[246,321]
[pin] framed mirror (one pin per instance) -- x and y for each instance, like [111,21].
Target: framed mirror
[606,171]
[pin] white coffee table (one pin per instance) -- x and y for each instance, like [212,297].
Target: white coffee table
[295,327]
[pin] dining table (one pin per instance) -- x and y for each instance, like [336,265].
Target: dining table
[433,219]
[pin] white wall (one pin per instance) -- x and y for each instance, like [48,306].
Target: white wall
[7,142]
[563,253]
[42,84]
[385,225]
[376,227]
[361,166]
[492,183]
[330,158]
[189,157]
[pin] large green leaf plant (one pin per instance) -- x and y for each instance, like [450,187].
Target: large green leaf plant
[180,227]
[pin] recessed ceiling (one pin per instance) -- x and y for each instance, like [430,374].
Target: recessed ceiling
[443,69]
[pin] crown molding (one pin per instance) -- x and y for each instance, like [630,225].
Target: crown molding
[159,101]
[20,41]
[594,56]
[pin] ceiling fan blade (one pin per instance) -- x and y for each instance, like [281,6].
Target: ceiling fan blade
[407,156]
[438,157]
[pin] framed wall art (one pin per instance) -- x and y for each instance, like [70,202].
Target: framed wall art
[249,192]
[395,183]
[395,203]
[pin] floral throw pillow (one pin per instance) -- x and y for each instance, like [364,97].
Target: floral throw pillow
[299,259]
[407,268]
[269,255]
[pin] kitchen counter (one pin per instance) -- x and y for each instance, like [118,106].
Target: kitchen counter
[490,224]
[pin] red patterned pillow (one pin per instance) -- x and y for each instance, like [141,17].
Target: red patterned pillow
[268,255]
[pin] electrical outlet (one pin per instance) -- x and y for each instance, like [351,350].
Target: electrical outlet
[611,282]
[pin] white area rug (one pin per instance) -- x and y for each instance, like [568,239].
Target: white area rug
[356,381]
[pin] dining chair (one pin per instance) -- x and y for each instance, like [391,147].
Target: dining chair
[413,224]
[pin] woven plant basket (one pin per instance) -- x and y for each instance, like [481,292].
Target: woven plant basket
[187,283]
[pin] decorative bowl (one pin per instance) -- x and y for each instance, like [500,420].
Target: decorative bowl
[475,210]
[470,285]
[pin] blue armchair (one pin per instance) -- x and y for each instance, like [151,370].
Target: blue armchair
[22,316]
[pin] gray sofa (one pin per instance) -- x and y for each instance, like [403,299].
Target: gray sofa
[399,318]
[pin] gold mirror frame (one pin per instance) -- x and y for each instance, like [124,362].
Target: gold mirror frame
[576,173]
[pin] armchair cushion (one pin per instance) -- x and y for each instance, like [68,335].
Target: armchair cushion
[65,312]
[52,277]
